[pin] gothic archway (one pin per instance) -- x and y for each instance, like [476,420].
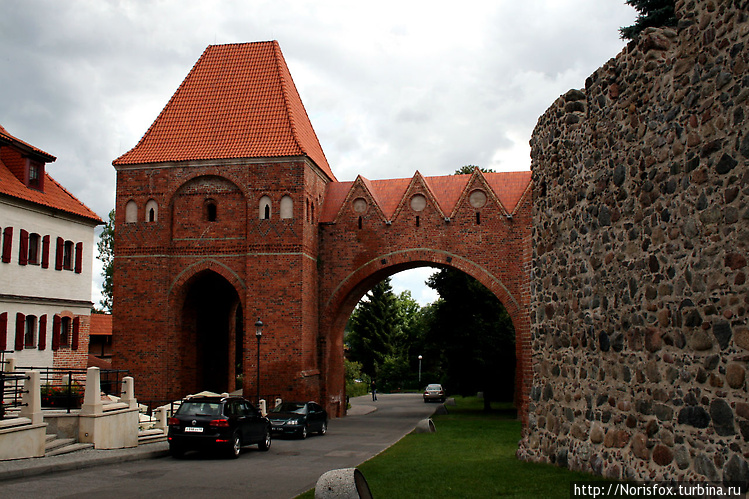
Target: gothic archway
[211,334]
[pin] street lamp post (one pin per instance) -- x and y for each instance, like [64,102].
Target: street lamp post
[420,357]
[258,334]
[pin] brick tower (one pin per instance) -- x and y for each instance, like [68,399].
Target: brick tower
[216,223]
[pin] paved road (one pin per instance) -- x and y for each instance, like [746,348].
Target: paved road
[288,469]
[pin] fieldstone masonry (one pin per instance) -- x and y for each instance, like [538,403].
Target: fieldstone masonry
[639,293]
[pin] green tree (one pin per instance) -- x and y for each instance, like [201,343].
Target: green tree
[357,383]
[476,337]
[650,13]
[468,169]
[106,255]
[372,329]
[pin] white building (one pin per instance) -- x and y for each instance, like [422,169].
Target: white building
[46,259]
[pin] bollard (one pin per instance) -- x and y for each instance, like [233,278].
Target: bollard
[425,426]
[346,483]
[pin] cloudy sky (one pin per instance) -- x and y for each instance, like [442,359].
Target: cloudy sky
[391,87]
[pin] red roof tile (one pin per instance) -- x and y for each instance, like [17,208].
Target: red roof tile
[447,190]
[238,101]
[54,196]
[101,325]
[15,141]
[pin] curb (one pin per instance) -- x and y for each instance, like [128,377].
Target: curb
[24,470]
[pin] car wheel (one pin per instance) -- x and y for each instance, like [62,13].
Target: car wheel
[236,445]
[323,429]
[303,432]
[176,451]
[264,444]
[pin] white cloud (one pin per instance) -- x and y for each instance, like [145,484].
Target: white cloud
[391,87]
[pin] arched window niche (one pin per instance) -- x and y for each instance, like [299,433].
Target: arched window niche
[287,207]
[131,212]
[152,211]
[211,210]
[264,211]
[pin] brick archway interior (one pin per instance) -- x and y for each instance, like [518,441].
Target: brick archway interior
[210,333]
[356,285]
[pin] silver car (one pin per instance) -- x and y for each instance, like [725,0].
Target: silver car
[434,392]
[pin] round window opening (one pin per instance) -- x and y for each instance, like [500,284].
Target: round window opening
[360,205]
[418,202]
[477,199]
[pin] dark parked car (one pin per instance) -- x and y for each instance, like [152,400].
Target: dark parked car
[434,392]
[221,423]
[298,419]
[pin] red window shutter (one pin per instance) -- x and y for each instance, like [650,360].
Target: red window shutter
[3,331]
[23,247]
[7,243]
[56,327]
[76,330]
[59,252]
[42,332]
[45,252]
[20,329]
[78,257]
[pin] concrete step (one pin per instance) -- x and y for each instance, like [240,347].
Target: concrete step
[66,449]
[56,443]
[148,436]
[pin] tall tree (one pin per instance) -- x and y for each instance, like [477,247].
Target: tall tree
[106,255]
[650,13]
[372,328]
[476,335]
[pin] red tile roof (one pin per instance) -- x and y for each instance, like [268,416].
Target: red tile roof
[20,144]
[238,101]
[101,325]
[54,196]
[447,190]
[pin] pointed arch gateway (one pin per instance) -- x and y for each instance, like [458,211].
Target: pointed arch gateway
[478,224]
[210,333]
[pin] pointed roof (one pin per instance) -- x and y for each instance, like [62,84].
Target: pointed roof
[54,196]
[238,101]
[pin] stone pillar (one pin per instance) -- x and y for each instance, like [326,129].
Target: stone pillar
[92,403]
[161,418]
[32,399]
[263,407]
[128,392]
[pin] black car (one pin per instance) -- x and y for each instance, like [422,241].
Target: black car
[298,419]
[221,423]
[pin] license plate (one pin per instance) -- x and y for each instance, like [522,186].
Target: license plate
[277,428]
[193,429]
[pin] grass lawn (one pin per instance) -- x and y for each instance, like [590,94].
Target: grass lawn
[472,454]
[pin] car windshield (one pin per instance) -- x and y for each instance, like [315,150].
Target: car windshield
[295,407]
[434,387]
[199,409]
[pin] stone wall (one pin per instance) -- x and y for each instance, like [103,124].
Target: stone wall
[640,340]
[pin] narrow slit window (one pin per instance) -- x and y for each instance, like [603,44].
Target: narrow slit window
[478,218]
[417,221]
[360,222]
[211,211]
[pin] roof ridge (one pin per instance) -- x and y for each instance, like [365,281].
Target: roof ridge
[164,109]
[283,70]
